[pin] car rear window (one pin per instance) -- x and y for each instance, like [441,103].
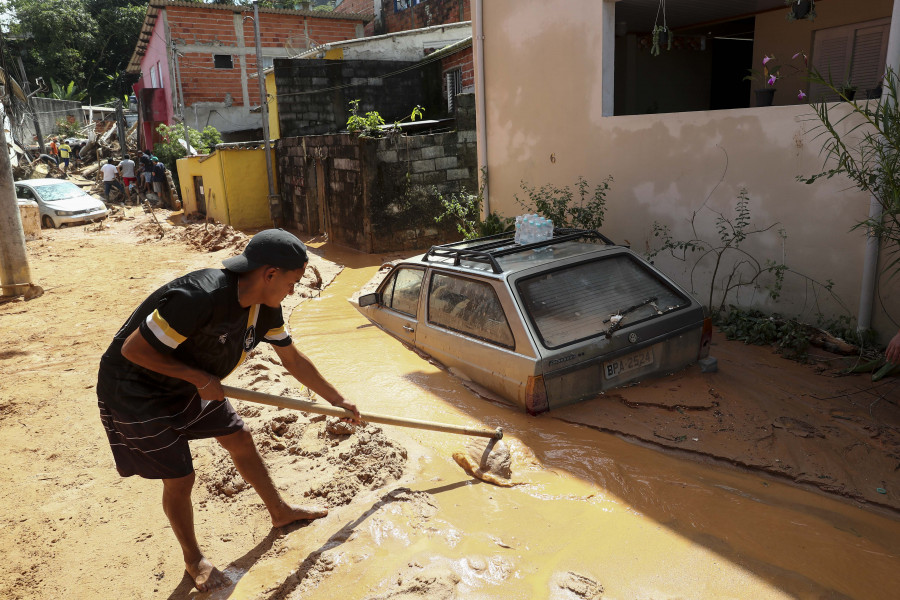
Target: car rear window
[575,303]
[59,191]
[468,306]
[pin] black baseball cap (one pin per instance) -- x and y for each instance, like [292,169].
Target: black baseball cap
[273,248]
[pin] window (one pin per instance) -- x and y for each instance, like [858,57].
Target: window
[468,306]
[851,53]
[453,81]
[576,303]
[402,291]
[24,192]
[404,4]
[154,76]
[223,61]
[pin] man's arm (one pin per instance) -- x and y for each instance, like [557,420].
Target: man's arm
[298,365]
[140,352]
[892,354]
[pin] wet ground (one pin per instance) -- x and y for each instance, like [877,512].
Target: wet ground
[615,498]
[595,516]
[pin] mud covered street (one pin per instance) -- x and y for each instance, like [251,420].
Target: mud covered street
[769,479]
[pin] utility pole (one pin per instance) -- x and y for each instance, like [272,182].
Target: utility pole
[274,200]
[37,125]
[187,129]
[15,274]
[120,124]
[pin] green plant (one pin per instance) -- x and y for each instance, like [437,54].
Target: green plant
[733,268]
[372,124]
[660,31]
[368,125]
[790,337]
[863,145]
[771,71]
[66,128]
[66,92]
[464,209]
[560,205]
[173,147]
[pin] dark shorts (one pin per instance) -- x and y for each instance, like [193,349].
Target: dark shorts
[157,448]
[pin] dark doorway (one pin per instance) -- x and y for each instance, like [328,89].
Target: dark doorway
[200,196]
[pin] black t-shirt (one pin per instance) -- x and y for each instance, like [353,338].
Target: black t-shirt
[198,320]
[159,172]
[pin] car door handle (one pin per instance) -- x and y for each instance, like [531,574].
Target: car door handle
[408,328]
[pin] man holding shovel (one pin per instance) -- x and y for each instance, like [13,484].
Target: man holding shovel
[159,384]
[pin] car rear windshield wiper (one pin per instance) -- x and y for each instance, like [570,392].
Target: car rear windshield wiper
[616,319]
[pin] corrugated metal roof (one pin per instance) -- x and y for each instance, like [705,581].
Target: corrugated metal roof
[155,6]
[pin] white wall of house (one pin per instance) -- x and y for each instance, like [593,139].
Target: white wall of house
[545,122]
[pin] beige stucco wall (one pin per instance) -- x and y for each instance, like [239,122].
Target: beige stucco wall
[543,124]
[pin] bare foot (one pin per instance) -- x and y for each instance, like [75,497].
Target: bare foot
[206,576]
[292,513]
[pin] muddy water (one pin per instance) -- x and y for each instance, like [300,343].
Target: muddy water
[594,516]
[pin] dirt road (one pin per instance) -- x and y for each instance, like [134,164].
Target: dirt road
[74,529]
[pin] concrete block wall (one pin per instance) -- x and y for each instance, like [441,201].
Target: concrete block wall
[49,111]
[377,195]
[303,113]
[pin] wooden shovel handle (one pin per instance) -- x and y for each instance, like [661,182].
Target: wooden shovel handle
[327,409]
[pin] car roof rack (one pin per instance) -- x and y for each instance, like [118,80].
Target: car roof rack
[489,248]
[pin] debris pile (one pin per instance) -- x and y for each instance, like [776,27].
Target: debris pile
[211,237]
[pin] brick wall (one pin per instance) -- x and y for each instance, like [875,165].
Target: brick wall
[377,195]
[464,60]
[425,14]
[215,28]
[303,113]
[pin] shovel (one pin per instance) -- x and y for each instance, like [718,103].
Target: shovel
[322,409]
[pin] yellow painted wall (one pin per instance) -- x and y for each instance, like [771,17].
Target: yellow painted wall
[272,94]
[544,125]
[235,185]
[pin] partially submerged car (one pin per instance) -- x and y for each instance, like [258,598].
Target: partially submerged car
[543,324]
[61,202]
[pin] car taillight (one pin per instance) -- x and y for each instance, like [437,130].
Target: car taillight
[705,338]
[536,396]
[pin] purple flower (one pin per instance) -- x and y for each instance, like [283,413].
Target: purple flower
[772,79]
[767,58]
[801,95]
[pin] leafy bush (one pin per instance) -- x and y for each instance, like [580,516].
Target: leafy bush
[559,204]
[173,147]
[465,210]
[789,337]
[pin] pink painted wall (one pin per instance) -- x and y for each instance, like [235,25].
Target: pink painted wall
[156,56]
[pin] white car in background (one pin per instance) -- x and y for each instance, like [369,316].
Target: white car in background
[61,202]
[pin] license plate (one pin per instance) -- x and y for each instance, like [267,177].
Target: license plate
[627,363]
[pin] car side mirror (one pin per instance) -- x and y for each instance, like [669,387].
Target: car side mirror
[369,299]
